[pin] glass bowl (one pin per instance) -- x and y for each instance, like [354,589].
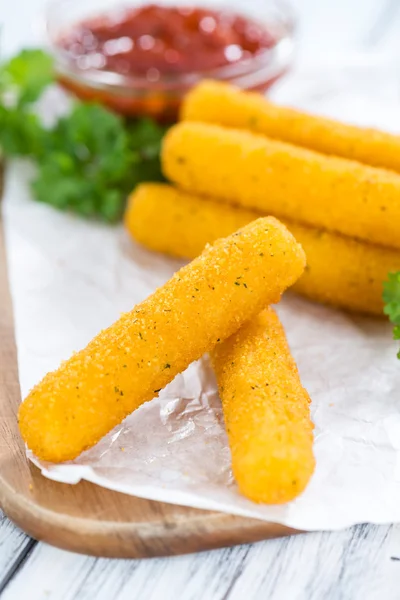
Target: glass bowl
[137,94]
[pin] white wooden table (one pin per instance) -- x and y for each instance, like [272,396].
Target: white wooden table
[359,563]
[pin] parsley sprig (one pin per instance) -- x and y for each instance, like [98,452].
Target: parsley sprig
[90,159]
[391,299]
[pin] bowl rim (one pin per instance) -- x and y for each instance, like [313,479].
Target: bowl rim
[265,60]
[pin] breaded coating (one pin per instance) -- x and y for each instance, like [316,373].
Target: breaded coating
[224,104]
[128,363]
[166,219]
[266,411]
[340,271]
[272,177]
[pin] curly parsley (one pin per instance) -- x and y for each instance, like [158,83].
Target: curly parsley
[391,299]
[90,159]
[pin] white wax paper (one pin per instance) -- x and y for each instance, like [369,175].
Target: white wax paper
[71,278]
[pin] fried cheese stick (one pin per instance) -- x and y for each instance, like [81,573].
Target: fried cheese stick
[220,103]
[340,271]
[252,171]
[127,364]
[266,411]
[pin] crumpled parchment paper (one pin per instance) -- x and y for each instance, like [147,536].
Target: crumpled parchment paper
[70,278]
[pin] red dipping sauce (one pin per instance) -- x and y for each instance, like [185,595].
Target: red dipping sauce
[165,39]
[142,60]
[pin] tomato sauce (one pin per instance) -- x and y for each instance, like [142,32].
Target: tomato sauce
[155,43]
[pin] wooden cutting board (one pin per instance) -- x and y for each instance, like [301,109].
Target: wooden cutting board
[87,518]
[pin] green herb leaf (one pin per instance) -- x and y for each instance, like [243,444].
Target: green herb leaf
[91,159]
[27,75]
[391,299]
[21,133]
[22,80]
[145,137]
[86,166]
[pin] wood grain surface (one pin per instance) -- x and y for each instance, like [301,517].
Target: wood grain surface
[87,518]
[361,563]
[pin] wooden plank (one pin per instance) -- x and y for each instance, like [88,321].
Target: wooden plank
[354,563]
[86,518]
[15,547]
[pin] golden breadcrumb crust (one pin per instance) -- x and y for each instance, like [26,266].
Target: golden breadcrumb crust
[128,363]
[266,411]
[340,271]
[224,104]
[273,177]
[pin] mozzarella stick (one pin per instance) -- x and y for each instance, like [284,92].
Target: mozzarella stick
[166,219]
[340,271]
[266,411]
[128,363]
[220,103]
[272,177]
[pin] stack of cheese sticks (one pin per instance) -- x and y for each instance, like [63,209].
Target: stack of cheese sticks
[236,156]
[218,303]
